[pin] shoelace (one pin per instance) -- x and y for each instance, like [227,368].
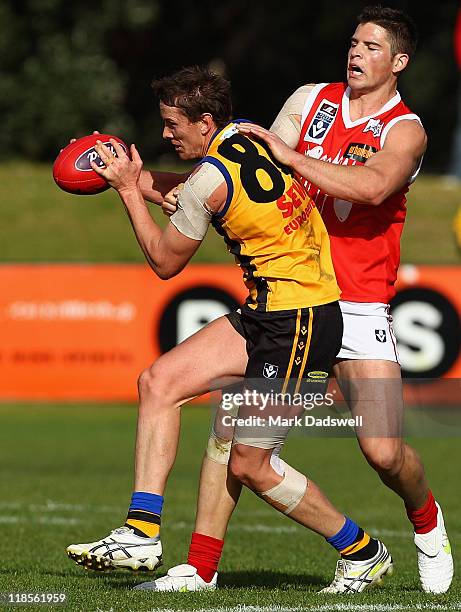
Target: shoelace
[121,530]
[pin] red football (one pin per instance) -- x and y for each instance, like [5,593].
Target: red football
[72,171]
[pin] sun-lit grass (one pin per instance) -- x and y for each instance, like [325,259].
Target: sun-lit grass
[66,476]
[41,223]
[428,236]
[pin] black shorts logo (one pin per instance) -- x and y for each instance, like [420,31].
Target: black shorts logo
[317,375]
[380,335]
[270,370]
[360,152]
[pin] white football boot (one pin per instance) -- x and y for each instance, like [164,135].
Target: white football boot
[182,578]
[121,549]
[435,562]
[355,576]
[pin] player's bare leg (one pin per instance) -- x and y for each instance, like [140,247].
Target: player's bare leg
[381,405]
[218,495]
[219,491]
[373,389]
[186,371]
[364,561]
[252,467]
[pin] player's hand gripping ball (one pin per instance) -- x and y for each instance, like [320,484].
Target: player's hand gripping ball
[72,169]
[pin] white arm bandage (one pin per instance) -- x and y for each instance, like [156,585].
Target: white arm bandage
[286,126]
[193,217]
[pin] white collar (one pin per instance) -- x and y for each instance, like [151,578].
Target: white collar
[345,109]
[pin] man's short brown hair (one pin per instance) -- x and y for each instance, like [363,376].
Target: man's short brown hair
[401,29]
[196,90]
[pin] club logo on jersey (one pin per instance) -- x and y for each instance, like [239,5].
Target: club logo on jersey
[322,121]
[360,152]
[380,335]
[270,370]
[375,126]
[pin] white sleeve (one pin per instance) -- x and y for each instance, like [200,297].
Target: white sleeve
[286,125]
[408,117]
[192,216]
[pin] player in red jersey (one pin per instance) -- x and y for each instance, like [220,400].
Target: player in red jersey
[357,147]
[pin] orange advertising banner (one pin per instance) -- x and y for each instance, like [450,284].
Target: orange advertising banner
[426,312]
[85,332]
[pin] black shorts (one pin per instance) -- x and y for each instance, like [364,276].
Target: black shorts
[290,349]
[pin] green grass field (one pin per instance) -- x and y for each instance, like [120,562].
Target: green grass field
[41,223]
[66,474]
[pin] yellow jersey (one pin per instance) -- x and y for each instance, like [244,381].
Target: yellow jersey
[271,226]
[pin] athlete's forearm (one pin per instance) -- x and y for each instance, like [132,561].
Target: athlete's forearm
[361,184]
[146,230]
[154,185]
[352,183]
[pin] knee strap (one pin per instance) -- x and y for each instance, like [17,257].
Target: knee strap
[218,449]
[289,492]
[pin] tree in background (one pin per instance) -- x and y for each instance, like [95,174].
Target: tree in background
[456,161]
[57,76]
[69,68]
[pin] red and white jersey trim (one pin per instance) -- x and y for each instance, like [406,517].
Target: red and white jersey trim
[408,117]
[346,114]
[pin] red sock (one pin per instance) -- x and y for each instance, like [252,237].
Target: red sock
[425,518]
[204,554]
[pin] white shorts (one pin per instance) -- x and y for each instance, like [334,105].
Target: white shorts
[368,332]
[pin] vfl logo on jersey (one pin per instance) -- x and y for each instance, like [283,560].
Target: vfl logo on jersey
[322,121]
[270,370]
[359,152]
[375,126]
[380,335]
